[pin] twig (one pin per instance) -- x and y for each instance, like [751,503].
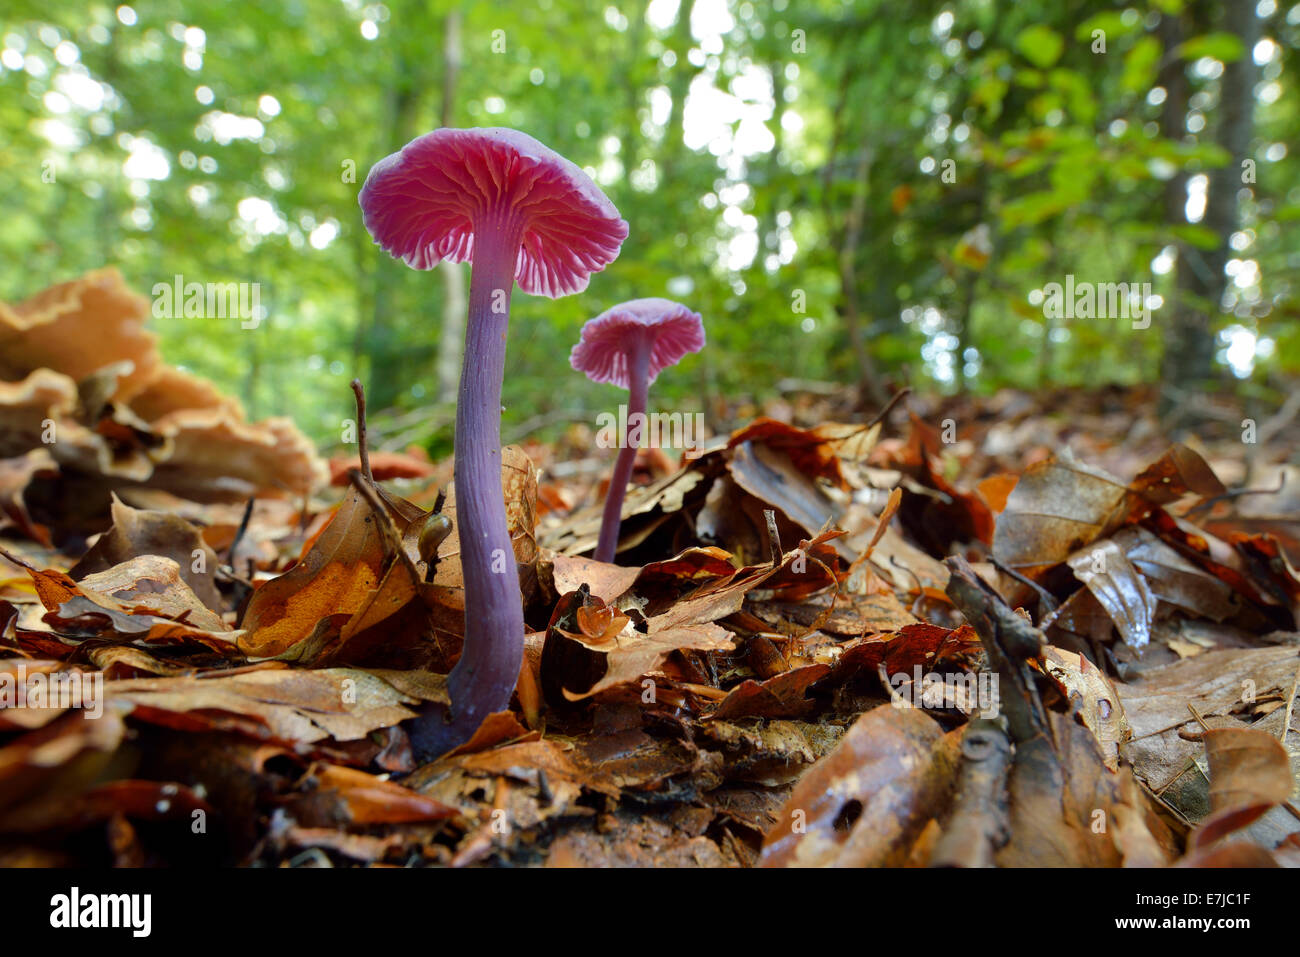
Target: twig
[773,537]
[882,523]
[1050,604]
[359,390]
[239,533]
[1237,493]
[1290,703]
[1008,641]
[889,406]
[1279,421]
[979,825]
[17,561]
[895,698]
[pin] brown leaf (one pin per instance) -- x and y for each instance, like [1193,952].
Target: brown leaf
[1174,579]
[1179,471]
[1214,683]
[137,532]
[519,482]
[1057,507]
[15,475]
[782,696]
[866,802]
[604,580]
[345,704]
[336,581]
[816,452]
[1090,692]
[1246,767]
[1065,803]
[571,660]
[1115,583]
[330,796]
[150,584]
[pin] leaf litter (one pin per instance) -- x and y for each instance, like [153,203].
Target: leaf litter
[828,640]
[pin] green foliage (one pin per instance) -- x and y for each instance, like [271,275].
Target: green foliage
[851,157]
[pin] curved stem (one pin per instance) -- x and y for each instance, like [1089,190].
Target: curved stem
[484,678]
[638,362]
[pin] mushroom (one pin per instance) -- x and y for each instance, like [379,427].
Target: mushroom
[628,346]
[519,212]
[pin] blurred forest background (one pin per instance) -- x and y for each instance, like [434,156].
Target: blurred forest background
[854,191]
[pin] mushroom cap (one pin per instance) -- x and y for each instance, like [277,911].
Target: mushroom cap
[423,204]
[602,349]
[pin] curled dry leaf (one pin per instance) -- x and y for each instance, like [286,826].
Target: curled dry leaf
[138,532]
[866,802]
[816,452]
[217,456]
[590,647]
[151,585]
[15,475]
[356,574]
[1250,773]
[1119,588]
[1061,792]
[40,412]
[604,580]
[78,327]
[1174,579]
[781,696]
[330,795]
[643,508]
[1178,472]
[1090,692]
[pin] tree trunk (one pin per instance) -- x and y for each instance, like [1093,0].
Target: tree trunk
[1200,281]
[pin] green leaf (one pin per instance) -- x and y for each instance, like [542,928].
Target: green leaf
[1224,47]
[1194,234]
[1141,64]
[1041,45]
[1111,23]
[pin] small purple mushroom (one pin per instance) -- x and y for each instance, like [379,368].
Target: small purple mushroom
[628,346]
[518,212]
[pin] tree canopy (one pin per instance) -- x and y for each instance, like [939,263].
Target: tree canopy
[855,191]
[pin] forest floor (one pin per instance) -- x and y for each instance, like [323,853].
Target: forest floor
[1026,629]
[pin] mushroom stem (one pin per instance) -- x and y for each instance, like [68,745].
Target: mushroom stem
[485,676]
[638,360]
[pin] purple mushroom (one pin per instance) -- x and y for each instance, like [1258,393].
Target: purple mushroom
[518,212]
[628,346]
